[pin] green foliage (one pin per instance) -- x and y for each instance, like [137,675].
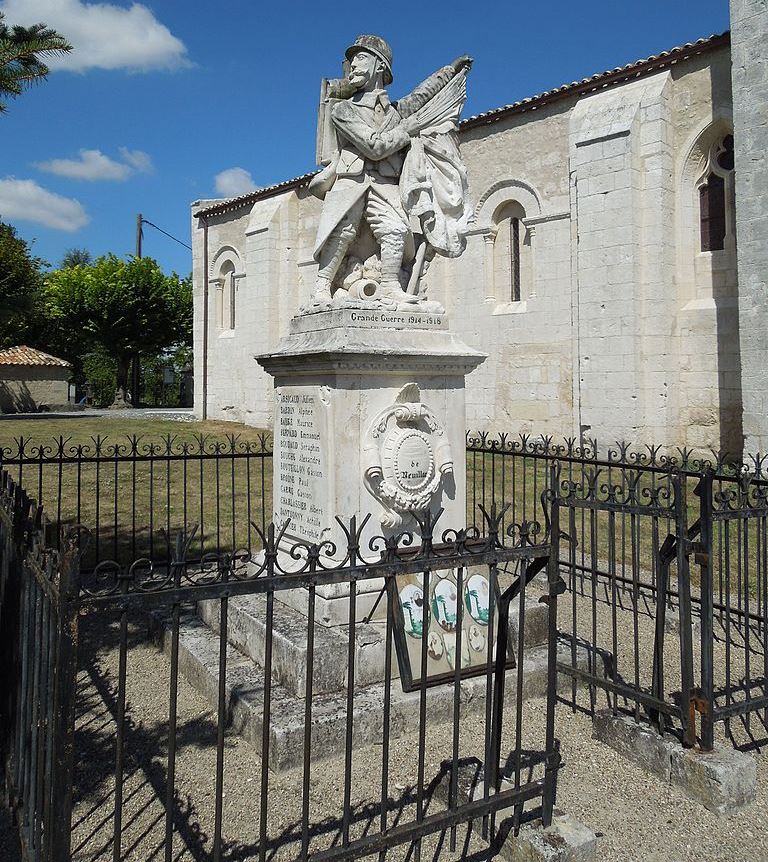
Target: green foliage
[21,50]
[20,283]
[118,308]
[155,391]
[100,371]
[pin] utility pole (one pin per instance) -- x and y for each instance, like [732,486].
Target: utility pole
[135,365]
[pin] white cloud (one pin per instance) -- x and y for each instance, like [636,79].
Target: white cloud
[234,182]
[138,160]
[94,165]
[103,35]
[27,201]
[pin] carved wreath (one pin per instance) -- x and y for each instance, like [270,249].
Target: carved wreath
[405,456]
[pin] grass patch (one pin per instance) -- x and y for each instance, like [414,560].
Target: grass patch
[84,430]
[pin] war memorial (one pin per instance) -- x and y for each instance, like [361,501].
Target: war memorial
[368,630]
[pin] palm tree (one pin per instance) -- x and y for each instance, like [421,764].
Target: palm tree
[21,49]
[417,625]
[448,618]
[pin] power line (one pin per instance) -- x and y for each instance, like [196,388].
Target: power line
[170,236]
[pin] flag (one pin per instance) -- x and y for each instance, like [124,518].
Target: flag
[433,182]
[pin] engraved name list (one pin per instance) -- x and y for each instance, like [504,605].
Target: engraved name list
[301,468]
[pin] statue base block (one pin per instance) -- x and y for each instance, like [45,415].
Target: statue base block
[370,424]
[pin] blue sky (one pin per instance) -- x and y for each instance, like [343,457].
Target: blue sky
[160,99]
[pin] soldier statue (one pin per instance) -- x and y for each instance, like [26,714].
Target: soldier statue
[393,167]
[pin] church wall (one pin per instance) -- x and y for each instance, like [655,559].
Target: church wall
[525,383]
[622,328]
[706,282]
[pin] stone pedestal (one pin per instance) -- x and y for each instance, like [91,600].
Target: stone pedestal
[369,420]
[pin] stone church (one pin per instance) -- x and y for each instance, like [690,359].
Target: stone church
[602,274]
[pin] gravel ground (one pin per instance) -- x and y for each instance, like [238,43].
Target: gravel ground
[637,816]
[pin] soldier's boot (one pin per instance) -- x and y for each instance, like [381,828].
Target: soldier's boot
[331,257]
[392,248]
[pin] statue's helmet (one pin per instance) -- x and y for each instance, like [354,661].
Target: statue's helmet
[378,47]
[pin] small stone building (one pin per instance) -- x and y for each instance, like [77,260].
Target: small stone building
[600,274]
[31,380]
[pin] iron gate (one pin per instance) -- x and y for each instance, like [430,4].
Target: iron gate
[475,756]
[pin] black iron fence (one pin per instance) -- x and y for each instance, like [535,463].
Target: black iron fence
[133,494]
[666,561]
[38,644]
[415,761]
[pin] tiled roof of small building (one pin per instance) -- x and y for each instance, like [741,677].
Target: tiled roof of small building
[23,355]
[599,81]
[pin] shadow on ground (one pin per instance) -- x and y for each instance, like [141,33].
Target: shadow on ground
[9,842]
[149,810]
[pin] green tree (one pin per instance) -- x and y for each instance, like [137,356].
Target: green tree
[20,283]
[76,257]
[21,53]
[100,372]
[119,308]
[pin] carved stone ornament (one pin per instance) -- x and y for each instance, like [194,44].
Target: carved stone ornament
[406,454]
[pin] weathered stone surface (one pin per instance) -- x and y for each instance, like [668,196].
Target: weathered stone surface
[364,318]
[672,625]
[723,780]
[749,37]
[369,147]
[244,686]
[370,424]
[566,840]
[246,630]
[470,782]
[637,742]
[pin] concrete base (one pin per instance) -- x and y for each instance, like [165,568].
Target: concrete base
[672,625]
[199,662]
[723,780]
[565,840]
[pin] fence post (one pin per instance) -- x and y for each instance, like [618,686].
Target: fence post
[686,623]
[65,689]
[556,587]
[704,559]
[10,638]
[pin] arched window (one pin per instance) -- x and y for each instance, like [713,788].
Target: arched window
[512,254]
[716,196]
[226,292]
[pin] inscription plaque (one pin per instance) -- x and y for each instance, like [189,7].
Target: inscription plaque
[413,461]
[300,468]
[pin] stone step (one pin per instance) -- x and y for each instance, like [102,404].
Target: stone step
[246,630]
[244,686]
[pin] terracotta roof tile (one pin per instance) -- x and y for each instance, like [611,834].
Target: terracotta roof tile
[23,355]
[594,82]
[604,79]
